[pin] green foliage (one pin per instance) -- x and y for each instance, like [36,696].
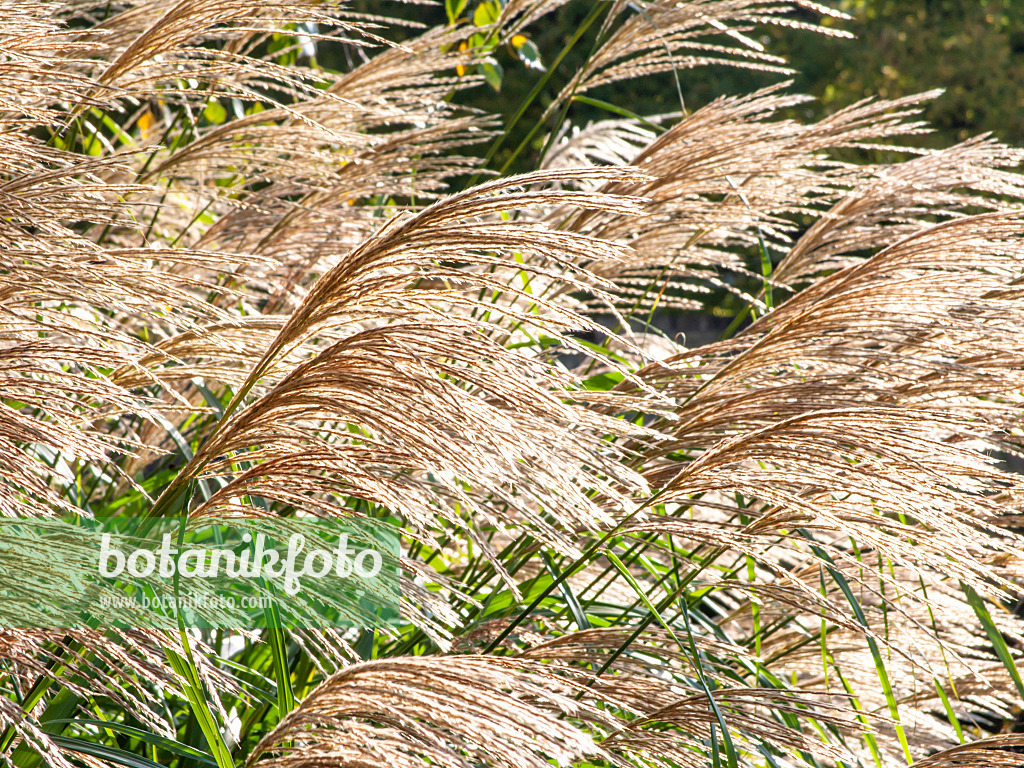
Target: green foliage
[970,48]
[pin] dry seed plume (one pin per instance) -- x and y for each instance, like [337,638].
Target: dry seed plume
[222,262]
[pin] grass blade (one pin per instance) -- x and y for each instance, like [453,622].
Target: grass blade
[994,635]
[726,737]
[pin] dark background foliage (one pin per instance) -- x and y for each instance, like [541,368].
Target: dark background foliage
[973,49]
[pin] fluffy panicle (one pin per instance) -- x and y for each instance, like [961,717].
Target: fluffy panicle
[235,282]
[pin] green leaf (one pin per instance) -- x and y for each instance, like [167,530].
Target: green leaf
[56,713]
[548,341]
[42,684]
[950,715]
[264,694]
[529,55]
[454,8]
[186,450]
[730,750]
[994,635]
[215,113]
[170,745]
[113,127]
[570,599]
[635,586]
[279,649]
[211,399]
[103,752]
[487,13]
[493,74]
[876,654]
[185,667]
[615,109]
[501,602]
[603,382]
[869,737]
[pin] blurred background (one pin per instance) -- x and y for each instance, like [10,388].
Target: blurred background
[973,49]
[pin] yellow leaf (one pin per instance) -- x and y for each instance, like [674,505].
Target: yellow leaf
[145,122]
